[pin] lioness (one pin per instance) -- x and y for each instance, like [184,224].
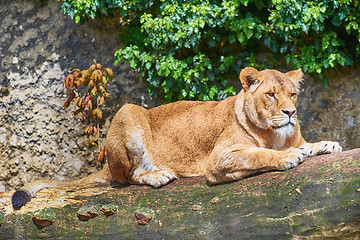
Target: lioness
[255,131]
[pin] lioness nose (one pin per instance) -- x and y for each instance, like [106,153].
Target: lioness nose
[289,113]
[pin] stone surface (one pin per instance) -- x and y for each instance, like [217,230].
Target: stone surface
[39,46]
[316,200]
[332,114]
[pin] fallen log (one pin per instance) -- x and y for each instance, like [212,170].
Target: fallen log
[318,199]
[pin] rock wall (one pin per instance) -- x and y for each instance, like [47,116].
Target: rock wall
[334,113]
[39,45]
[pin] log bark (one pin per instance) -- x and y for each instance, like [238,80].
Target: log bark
[318,199]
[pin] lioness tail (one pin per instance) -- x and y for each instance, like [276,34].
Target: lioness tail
[24,195]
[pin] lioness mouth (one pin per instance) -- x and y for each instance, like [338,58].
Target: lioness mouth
[284,125]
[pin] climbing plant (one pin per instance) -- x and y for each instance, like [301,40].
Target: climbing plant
[86,90]
[189,49]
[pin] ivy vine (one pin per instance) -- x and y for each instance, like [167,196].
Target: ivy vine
[188,49]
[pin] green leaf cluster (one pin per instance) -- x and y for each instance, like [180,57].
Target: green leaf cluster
[188,49]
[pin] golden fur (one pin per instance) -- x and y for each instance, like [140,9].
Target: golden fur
[255,131]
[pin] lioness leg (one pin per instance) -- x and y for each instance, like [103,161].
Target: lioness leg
[145,171]
[235,162]
[138,155]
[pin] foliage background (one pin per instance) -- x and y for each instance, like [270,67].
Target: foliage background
[188,49]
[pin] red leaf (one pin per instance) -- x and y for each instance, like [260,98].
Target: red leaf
[89,104]
[72,96]
[71,81]
[66,103]
[87,130]
[92,67]
[76,101]
[91,82]
[105,152]
[102,100]
[65,82]
[109,73]
[104,80]
[77,112]
[80,102]
[102,89]
[85,73]
[101,156]
[87,99]
[93,90]
[96,76]
[100,114]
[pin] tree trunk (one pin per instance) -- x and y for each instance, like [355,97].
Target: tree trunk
[319,198]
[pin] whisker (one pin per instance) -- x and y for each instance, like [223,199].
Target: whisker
[263,125]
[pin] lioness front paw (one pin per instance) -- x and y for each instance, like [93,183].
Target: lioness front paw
[323,147]
[329,147]
[291,158]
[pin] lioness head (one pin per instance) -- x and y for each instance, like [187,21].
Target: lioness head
[270,98]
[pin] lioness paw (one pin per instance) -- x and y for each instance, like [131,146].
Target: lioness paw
[329,147]
[165,177]
[323,147]
[291,158]
[156,179]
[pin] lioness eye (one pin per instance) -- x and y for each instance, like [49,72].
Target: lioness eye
[292,94]
[271,94]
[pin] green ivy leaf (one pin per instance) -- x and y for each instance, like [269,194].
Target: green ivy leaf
[232,38]
[241,37]
[148,65]
[77,19]
[248,33]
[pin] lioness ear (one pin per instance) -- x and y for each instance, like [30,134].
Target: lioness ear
[249,78]
[295,77]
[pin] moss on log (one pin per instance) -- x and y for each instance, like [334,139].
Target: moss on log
[319,198]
